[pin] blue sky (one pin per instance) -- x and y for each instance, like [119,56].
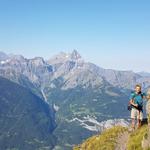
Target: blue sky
[110,33]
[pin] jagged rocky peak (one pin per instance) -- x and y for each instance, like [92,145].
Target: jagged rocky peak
[37,61]
[4,56]
[17,57]
[13,59]
[63,57]
[75,55]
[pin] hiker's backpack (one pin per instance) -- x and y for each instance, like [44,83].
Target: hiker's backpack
[140,106]
[129,106]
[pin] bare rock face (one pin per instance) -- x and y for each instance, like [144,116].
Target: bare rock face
[75,55]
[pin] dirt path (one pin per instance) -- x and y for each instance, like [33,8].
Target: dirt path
[122,141]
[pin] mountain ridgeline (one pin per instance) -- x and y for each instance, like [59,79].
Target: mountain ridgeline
[81,95]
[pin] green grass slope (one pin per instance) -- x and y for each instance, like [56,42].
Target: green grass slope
[108,139]
[105,141]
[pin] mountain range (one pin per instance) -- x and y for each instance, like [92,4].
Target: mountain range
[81,94]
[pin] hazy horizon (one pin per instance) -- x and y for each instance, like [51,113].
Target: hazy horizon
[111,34]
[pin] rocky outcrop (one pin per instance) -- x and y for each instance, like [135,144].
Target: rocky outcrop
[146,138]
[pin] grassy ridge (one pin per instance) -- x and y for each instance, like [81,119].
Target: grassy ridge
[135,139]
[105,141]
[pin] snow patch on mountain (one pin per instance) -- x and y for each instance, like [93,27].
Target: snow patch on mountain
[5,61]
[44,96]
[56,108]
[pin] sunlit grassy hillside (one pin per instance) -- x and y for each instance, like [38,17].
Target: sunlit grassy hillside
[108,139]
[135,139]
[105,141]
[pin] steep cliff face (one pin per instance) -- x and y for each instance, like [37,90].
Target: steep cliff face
[26,121]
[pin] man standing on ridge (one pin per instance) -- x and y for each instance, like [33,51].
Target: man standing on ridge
[136,101]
